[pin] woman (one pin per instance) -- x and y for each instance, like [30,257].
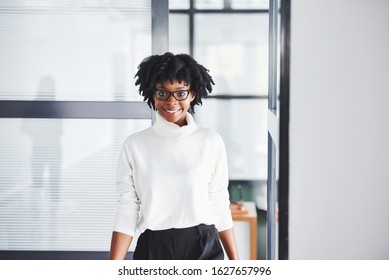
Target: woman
[172,177]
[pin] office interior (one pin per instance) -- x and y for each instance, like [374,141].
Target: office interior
[299,100]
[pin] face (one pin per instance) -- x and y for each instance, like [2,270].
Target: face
[171,109]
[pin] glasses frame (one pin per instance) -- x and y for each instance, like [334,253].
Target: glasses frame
[172,94]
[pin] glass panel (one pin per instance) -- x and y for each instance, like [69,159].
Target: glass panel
[242,124]
[209,4]
[235,49]
[179,33]
[72,50]
[179,4]
[250,4]
[57,182]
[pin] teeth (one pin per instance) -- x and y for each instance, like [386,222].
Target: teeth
[170,111]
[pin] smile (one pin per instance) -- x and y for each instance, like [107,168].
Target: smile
[171,111]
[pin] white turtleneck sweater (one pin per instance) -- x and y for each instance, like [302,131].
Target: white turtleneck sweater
[172,177]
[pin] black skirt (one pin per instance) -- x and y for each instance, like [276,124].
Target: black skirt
[195,243]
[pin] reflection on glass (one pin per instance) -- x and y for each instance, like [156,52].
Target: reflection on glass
[45,158]
[57,182]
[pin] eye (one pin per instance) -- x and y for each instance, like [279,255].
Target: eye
[161,93]
[182,93]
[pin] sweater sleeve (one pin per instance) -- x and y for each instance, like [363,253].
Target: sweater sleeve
[218,188]
[128,201]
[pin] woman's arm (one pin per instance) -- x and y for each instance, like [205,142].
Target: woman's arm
[128,206]
[120,243]
[219,197]
[228,240]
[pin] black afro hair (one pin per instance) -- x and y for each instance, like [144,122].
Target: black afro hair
[157,69]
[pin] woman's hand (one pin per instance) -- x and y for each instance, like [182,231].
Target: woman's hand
[228,240]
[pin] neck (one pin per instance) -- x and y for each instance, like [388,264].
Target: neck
[172,130]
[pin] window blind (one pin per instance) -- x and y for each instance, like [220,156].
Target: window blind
[72,50]
[57,176]
[57,182]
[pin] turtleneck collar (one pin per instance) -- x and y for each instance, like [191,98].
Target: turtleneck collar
[171,130]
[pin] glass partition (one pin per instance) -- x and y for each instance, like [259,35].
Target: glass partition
[237,55]
[244,132]
[57,182]
[72,50]
[68,101]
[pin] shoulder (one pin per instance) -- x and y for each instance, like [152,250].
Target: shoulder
[211,135]
[137,137]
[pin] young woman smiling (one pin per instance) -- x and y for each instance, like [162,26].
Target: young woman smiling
[172,101]
[172,177]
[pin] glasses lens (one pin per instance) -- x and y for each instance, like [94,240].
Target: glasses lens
[181,94]
[162,95]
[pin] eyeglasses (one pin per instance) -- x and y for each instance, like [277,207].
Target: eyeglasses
[179,95]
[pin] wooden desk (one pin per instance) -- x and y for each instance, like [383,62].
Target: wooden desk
[251,218]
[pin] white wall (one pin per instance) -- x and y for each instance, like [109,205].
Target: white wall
[339,130]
